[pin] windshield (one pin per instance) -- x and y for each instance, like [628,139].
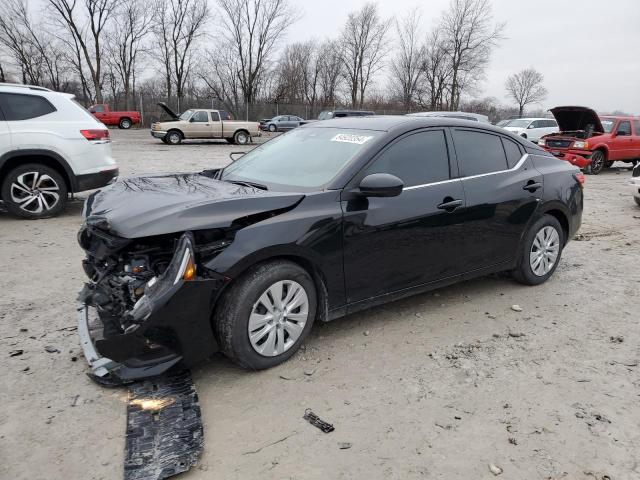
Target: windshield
[186,115]
[306,159]
[519,123]
[325,115]
[607,124]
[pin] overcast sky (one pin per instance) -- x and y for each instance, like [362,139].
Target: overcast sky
[587,50]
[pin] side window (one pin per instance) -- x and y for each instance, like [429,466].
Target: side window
[479,152]
[215,116]
[17,106]
[200,117]
[513,152]
[98,108]
[551,123]
[636,127]
[624,128]
[417,159]
[536,124]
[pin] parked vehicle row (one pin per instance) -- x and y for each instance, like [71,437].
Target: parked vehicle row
[123,119]
[532,128]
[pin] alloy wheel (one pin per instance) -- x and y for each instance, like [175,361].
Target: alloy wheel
[242,138]
[544,251]
[278,318]
[35,192]
[597,162]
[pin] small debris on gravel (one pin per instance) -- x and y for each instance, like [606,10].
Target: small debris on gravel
[24,330]
[317,422]
[15,353]
[50,349]
[616,339]
[516,334]
[310,372]
[495,469]
[284,377]
[516,308]
[601,418]
[513,441]
[366,333]
[344,445]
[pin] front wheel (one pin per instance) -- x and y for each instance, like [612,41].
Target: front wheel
[173,137]
[264,317]
[597,162]
[34,191]
[541,251]
[272,128]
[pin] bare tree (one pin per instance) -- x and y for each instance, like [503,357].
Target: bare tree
[220,75]
[330,71]
[252,29]
[86,23]
[470,36]
[364,44]
[525,88]
[132,24]
[408,62]
[437,72]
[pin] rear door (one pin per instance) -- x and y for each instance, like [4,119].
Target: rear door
[502,190]
[414,238]
[636,137]
[622,144]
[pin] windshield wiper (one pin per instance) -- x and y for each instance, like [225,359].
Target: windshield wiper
[248,184]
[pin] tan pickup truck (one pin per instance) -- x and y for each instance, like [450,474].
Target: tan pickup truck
[202,123]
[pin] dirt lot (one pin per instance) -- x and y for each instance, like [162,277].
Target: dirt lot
[437,386]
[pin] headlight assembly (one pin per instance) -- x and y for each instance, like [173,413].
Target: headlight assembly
[581,145]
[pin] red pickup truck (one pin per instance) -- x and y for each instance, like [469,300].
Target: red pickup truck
[593,142]
[123,120]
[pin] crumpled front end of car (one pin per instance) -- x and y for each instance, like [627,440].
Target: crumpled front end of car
[148,302]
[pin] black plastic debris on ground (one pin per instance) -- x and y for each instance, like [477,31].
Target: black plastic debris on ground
[317,422]
[164,428]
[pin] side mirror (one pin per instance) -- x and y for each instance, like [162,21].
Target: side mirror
[381,185]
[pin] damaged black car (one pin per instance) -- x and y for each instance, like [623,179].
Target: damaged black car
[323,221]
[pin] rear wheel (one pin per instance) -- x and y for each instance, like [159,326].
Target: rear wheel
[265,316]
[540,252]
[597,162]
[241,138]
[34,191]
[125,123]
[173,137]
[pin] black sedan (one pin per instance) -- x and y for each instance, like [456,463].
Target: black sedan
[326,220]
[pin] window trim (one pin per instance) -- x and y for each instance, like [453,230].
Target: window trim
[486,132]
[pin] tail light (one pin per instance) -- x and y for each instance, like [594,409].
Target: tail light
[95,135]
[579,178]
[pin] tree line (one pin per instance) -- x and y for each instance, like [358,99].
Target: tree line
[235,53]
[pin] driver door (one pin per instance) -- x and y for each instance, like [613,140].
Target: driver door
[395,243]
[621,146]
[199,125]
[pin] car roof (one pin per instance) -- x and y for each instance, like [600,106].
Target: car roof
[22,87]
[532,118]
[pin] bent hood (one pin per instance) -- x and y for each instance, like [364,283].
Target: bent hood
[168,203]
[571,119]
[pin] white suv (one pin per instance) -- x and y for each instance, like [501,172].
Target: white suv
[50,146]
[532,128]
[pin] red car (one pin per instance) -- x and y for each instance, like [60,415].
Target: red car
[123,119]
[593,142]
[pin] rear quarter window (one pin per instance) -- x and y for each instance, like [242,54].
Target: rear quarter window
[479,152]
[513,152]
[17,106]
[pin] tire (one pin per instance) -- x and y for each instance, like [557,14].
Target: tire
[525,272]
[244,298]
[241,138]
[34,191]
[173,137]
[273,128]
[637,199]
[597,162]
[229,140]
[164,140]
[608,164]
[125,123]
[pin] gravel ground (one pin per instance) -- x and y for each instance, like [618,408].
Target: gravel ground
[441,385]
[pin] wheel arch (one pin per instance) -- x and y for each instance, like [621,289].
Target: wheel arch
[602,147]
[562,217]
[44,157]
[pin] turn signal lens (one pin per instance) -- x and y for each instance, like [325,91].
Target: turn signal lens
[190,270]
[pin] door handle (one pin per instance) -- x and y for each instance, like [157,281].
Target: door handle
[449,204]
[532,186]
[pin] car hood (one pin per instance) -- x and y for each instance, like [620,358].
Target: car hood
[173,115]
[167,203]
[515,129]
[571,119]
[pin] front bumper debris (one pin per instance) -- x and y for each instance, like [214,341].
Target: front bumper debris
[164,428]
[577,158]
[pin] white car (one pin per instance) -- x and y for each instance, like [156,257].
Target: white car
[634,183]
[50,146]
[473,117]
[532,128]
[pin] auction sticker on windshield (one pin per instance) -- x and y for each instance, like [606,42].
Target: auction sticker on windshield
[348,138]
